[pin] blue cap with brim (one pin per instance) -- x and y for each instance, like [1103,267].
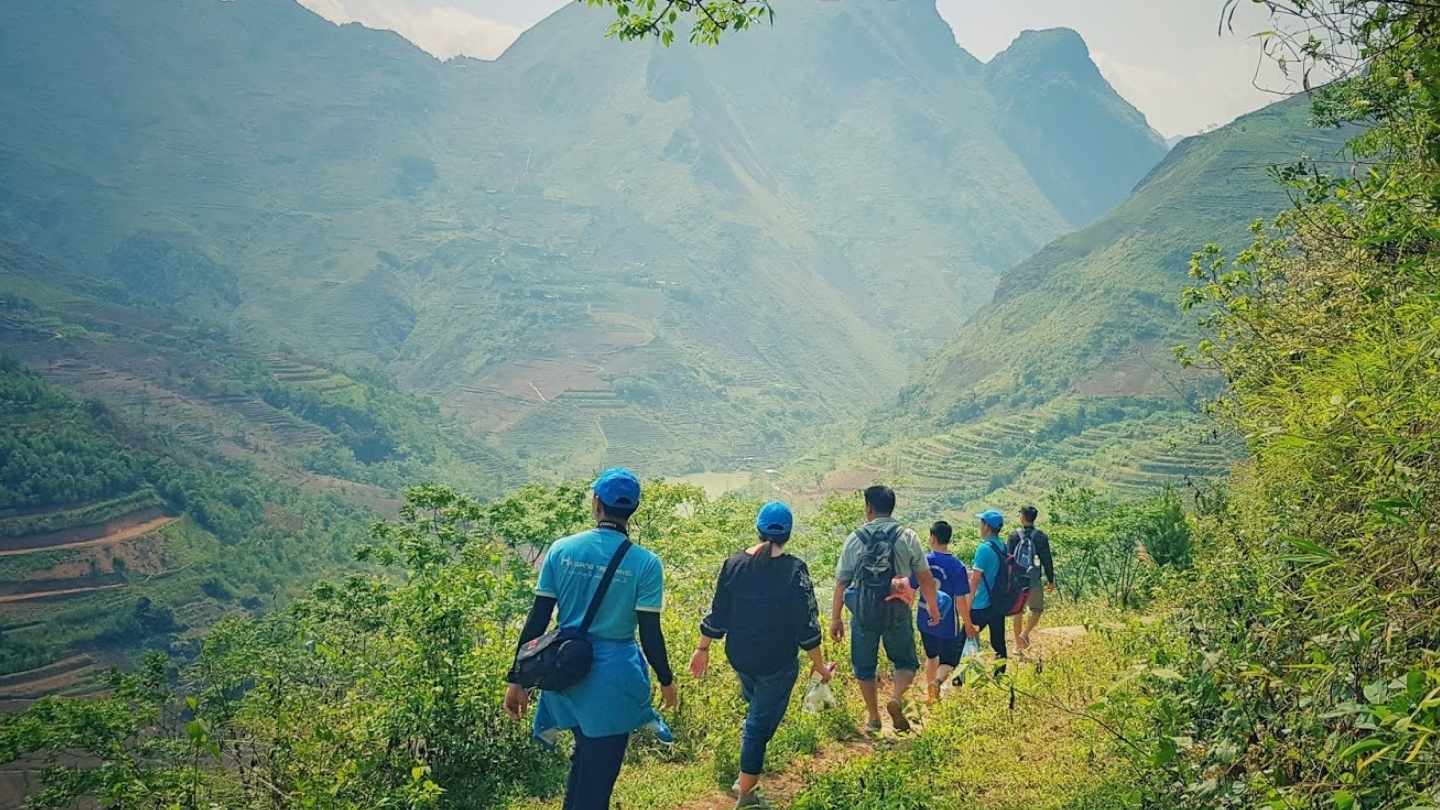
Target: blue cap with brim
[774,520]
[618,487]
[992,518]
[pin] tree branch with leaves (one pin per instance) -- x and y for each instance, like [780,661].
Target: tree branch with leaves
[709,20]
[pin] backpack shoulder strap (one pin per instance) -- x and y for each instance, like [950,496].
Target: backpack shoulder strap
[604,586]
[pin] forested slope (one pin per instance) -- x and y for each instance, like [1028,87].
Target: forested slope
[115,537]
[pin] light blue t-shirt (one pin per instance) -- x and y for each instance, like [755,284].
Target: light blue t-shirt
[987,562]
[572,572]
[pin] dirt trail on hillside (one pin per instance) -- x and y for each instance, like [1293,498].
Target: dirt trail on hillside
[47,680]
[116,531]
[32,595]
[782,787]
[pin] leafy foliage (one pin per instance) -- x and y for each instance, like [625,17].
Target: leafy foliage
[641,19]
[1312,674]
[1116,549]
[54,450]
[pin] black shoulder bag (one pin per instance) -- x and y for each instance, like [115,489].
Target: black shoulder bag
[562,657]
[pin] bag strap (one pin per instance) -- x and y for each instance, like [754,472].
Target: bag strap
[604,586]
[1002,560]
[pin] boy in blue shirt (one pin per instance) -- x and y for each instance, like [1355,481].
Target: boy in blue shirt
[984,576]
[944,641]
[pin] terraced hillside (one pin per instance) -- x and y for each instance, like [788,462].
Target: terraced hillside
[694,235]
[138,525]
[1123,446]
[295,417]
[1096,312]
[1087,325]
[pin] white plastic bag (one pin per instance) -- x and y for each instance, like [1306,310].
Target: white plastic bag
[818,697]
[972,647]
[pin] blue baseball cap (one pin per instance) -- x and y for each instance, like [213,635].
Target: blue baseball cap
[992,518]
[618,487]
[774,520]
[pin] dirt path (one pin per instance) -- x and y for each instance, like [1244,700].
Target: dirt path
[48,680]
[110,537]
[32,595]
[782,787]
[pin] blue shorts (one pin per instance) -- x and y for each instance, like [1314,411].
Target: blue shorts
[899,641]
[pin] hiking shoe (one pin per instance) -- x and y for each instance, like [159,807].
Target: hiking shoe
[755,800]
[897,716]
[873,727]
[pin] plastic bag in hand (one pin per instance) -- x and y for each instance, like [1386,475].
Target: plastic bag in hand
[972,647]
[818,697]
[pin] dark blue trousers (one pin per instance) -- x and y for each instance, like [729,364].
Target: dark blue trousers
[594,767]
[768,696]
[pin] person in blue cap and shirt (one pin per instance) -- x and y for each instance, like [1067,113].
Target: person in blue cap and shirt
[988,558]
[614,699]
[765,609]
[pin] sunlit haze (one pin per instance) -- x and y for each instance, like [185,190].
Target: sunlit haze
[1165,56]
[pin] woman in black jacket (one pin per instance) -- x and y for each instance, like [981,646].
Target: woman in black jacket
[765,605]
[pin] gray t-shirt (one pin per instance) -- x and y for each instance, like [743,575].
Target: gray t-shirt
[909,556]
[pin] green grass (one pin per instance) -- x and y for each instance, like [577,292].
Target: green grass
[975,749]
[978,749]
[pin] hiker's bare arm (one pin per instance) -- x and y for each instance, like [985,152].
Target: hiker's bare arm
[837,605]
[963,605]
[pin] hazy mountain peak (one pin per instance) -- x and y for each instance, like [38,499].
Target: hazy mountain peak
[603,241]
[1047,44]
[1074,132]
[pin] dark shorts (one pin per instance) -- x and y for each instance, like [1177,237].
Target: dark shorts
[899,641]
[1036,602]
[945,649]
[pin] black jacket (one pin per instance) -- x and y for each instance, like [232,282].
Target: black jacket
[1042,550]
[767,609]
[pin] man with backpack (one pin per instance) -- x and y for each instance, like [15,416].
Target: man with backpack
[874,558]
[1031,549]
[993,582]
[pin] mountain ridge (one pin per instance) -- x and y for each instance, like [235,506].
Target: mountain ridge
[616,243]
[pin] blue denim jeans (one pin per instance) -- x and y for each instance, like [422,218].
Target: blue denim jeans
[899,640]
[768,696]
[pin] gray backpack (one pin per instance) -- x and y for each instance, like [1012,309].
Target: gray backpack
[873,608]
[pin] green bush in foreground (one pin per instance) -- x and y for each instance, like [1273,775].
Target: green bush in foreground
[1310,677]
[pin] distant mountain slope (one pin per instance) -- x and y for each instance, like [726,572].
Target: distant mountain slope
[118,534]
[1068,374]
[1076,135]
[1095,312]
[597,252]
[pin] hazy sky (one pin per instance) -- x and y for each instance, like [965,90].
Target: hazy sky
[1164,56]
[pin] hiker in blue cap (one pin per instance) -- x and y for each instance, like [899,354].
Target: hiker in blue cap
[614,699]
[984,578]
[765,609]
